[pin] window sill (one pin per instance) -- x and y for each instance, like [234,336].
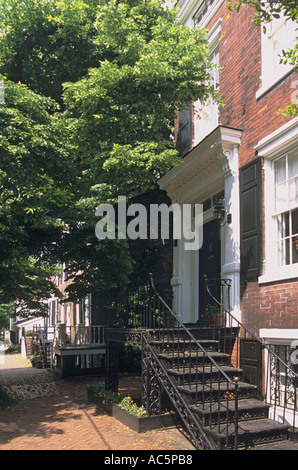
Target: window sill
[280,274]
[272,84]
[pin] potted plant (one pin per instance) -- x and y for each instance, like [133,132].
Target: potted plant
[36,361]
[102,397]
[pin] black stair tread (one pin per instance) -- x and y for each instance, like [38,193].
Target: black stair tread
[283,445]
[243,405]
[185,341]
[214,385]
[176,354]
[252,427]
[200,369]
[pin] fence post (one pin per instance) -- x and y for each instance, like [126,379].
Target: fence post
[236,380]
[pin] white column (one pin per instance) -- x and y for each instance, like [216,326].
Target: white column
[231,232]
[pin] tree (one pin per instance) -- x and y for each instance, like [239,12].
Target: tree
[35,183]
[265,12]
[5,314]
[46,42]
[122,113]
[128,66]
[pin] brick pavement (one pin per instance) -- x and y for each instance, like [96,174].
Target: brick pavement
[54,414]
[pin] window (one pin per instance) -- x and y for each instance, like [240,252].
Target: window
[214,59]
[202,11]
[286,206]
[280,35]
[284,393]
[206,116]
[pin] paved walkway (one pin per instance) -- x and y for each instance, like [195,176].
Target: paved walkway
[54,414]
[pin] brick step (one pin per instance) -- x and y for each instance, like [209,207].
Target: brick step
[198,393]
[223,412]
[205,374]
[250,433]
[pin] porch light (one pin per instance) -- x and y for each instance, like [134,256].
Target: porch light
[219,213]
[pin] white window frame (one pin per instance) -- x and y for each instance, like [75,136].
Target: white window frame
[273,146]
[286,256]
[206,116]
[272,70]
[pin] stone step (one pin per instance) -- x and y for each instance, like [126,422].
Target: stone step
[223,412]
[250,434]
[189,359]
[202,393]
[203,374]
[168,345]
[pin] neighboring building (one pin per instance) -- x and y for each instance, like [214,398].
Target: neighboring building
[76,331]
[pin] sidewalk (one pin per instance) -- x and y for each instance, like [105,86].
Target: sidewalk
[54,414]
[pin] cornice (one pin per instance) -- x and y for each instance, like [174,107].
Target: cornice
[211,156]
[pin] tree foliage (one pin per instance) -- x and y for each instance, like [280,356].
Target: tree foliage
[44,43]
[91,94]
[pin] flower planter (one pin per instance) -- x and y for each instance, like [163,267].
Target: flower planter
[105,405]
[138,424]
[142,424]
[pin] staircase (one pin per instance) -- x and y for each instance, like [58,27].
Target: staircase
[198,367]
[42,346]
[209,393]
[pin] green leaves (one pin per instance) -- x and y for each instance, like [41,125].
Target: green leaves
[119,70]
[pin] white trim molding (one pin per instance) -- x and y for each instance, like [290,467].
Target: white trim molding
[272,146]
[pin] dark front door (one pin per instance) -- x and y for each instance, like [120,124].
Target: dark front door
[251,362]
[209,265]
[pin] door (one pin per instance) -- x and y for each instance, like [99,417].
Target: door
[251,362]
[209,265]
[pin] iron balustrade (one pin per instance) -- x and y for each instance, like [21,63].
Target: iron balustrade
[190,373]
[206,383]
[279,386]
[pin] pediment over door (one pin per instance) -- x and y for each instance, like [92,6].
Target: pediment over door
[207,164]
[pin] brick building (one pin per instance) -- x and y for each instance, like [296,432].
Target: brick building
[245,155]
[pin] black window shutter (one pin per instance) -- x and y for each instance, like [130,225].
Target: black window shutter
[185,131]
[251,219]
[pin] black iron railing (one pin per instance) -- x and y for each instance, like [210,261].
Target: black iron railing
[279,385]
[201,377]
[193,374]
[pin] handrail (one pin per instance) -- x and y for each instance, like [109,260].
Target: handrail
[263,345]
[188,332]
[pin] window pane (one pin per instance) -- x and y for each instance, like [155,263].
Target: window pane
[293,165]
[295,222]
[293,191]
[286,254]
[295,249]
[280,170]
[283,225]
[281,194]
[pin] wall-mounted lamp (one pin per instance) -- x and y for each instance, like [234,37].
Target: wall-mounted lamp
[219,213]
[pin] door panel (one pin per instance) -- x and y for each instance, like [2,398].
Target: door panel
[209,264]
[251,362]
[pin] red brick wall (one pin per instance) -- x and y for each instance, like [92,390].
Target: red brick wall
[273,305]
[240,78]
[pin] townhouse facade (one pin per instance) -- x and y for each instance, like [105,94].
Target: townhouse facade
[240,160]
